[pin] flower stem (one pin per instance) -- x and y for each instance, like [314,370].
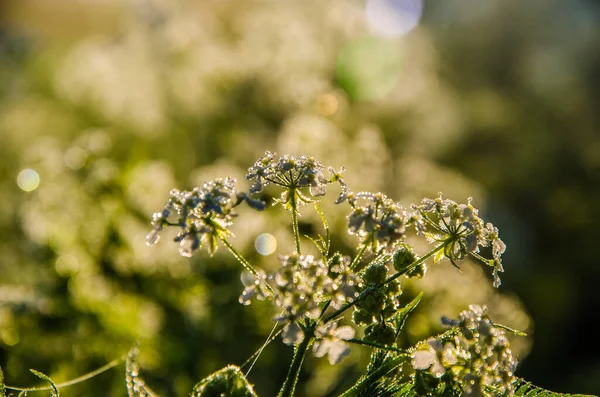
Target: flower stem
[287,390]
[295,222]
[243,260]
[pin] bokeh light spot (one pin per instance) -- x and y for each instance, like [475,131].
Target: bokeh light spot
[368,69]
[265,244]
[327,104]
[10,336]
[75,158]
[28,180]
[393,18]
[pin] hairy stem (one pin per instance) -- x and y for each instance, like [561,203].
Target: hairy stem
[287,390]
[295,222]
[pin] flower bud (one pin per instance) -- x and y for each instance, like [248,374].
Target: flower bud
[403,257]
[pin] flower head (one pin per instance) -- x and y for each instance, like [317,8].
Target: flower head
[461,228]
[478,355]
[203,215]
[289,172]
[377,220]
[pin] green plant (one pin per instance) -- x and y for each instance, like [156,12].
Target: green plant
[323,301]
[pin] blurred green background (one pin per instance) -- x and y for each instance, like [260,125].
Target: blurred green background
[107,105]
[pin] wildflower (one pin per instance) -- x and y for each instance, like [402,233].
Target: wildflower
[289,172]
[481,354]
[461,229]
[330,341]
[377,220]
[204,215]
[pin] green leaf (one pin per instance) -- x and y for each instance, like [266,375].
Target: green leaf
[47,379]
[402,315]
[227,382]
[526,389]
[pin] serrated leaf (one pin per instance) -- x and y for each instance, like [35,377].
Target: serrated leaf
[47,379]
[227,382]
[526,389]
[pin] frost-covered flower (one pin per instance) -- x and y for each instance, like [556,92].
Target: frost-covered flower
[477,356]
[300,285]
[377,220]
[461,228]
[330,341]
[203,215]
[288,171]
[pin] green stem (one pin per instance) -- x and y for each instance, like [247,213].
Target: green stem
[358,257]
[295,222]
[71,382]
[390,279]
[287,390]
[242,260]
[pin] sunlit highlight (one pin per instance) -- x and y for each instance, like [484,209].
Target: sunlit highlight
[265,244]
[28,180]
[393,18]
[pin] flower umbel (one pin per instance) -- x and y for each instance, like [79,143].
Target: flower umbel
[203,215]
[378,221]
[461,229]
[477,356]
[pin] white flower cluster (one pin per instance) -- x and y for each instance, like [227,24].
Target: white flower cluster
[437,219]
[288,172]
[300,285]
[203,215]
[377,220]
[478,356]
